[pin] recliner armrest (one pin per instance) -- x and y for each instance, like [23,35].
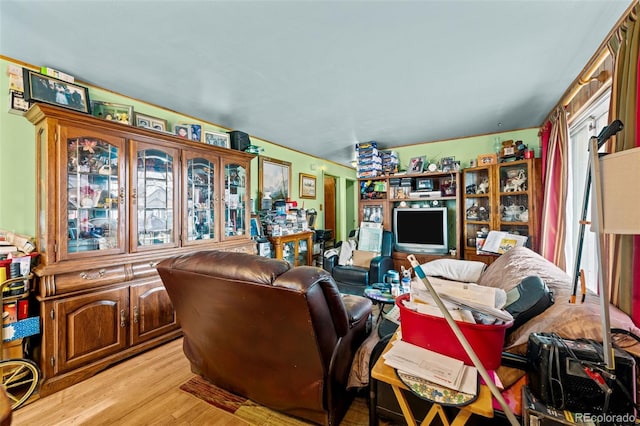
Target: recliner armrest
[328,263]
[358,308]
[378,267]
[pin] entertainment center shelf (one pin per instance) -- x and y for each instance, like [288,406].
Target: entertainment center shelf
[379,197]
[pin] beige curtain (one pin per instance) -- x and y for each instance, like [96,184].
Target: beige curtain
[619,252]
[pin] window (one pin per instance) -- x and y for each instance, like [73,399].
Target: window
[581,129]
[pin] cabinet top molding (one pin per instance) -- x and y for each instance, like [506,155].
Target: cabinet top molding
[39,112]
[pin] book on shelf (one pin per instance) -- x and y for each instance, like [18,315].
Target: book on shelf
[499,242]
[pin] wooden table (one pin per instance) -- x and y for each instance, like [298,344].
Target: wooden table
[387,374]
[294,240]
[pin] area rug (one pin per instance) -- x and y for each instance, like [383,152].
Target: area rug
[258,415]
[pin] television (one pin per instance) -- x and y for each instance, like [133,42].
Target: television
[420,230]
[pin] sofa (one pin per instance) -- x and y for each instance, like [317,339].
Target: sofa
[283,337]
[571,321]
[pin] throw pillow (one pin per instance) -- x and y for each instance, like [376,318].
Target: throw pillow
[467,271]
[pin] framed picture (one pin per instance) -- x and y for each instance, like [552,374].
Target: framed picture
[112,112]
[217,139]
[42,88]
[149,122]
[196,132]
[18,104]
[307,186]
[182,131]
[486,159]
[416,165]
[274,177]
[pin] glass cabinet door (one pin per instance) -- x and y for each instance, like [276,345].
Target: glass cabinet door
[201,198]
[478,205]
[236,209]
[154,206]
[514,198]
[94,196]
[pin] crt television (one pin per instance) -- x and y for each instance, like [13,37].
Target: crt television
[420,230]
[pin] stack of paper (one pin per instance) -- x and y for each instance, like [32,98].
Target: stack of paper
[432,366]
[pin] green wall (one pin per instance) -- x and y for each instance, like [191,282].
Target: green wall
[17,161]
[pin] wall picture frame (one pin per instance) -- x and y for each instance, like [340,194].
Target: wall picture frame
[43,88]
[416,164]
[149,122]
[112,112]
[307,186]
[217,139]
[274,177]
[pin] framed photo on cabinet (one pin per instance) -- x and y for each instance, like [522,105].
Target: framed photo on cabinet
[43,88]
[486,159]
[149,122]
[112,112]
[217,139]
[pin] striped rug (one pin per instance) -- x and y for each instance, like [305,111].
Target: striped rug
[258,415]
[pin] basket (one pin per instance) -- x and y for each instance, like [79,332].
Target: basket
[434,333]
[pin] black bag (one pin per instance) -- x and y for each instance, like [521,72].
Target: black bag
[529,298]
[571,375]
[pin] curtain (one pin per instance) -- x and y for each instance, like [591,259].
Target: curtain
[622,252]
[555,140]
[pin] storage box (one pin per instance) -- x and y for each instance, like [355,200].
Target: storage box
[434,333]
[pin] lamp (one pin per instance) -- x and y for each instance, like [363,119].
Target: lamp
[616,196]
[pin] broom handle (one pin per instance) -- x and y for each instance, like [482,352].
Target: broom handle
[463,340]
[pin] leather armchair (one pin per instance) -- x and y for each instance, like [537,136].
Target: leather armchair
[353,279]
[283,337]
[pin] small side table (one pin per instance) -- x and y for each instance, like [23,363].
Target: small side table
[384,373]
[380,297]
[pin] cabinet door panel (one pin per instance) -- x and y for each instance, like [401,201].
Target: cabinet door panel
[92,193]
[154,201]
[236,200]
[91,327]
[202,198]
[152,311]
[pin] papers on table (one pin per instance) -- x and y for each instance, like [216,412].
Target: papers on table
[432,366]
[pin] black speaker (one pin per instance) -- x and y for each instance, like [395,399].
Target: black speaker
[239,140]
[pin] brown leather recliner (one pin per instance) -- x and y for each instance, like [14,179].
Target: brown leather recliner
[283,337]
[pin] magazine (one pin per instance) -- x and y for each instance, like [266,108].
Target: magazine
[499,242]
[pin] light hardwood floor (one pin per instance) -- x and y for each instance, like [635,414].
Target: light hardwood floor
[143,390]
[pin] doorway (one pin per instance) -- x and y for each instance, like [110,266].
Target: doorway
[330,204]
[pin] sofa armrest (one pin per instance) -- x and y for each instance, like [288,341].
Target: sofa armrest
[378,267]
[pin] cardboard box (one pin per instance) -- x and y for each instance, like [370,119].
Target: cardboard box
[363,258]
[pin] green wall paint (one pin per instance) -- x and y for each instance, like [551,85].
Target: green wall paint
[17,162]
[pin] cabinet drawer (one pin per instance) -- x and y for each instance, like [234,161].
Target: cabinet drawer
[89,278]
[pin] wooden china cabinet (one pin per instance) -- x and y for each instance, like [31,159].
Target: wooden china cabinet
[113,200]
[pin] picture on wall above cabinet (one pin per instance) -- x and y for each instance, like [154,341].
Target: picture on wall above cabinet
[43,88]
[112,112]
[149,122]
[216,139]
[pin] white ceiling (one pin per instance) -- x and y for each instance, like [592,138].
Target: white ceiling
[318,76]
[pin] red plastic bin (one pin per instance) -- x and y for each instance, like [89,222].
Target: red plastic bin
[434,333]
